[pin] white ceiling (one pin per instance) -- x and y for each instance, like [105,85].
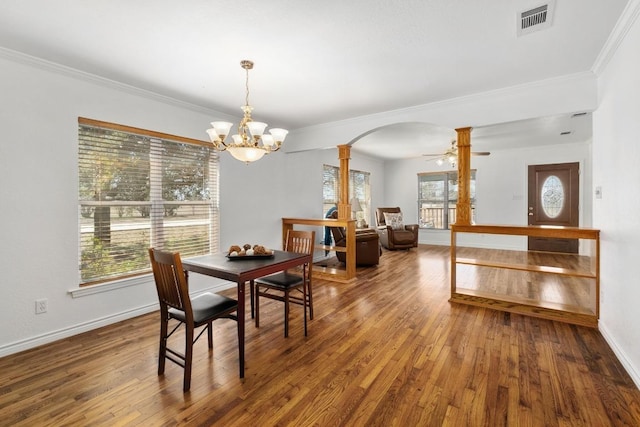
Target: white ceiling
[315,61]
[410,139]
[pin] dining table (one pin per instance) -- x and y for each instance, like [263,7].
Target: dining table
[243,269]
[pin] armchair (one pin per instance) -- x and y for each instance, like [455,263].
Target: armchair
[368,249]
[394,234]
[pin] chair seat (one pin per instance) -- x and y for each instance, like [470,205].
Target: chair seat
[206,306]
[281,286]
[283,280]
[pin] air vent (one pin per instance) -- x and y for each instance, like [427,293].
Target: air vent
[535,19]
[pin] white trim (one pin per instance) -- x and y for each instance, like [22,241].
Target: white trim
[110,286]
[28,343]
[52,336]
[620,354]
[146,279]
[43,64]
[617,35]
[451,102]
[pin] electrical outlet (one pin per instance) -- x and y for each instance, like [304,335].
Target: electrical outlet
[41,305]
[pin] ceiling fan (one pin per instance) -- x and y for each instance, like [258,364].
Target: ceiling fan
[451,155]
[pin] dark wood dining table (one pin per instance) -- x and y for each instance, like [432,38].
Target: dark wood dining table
[241,271]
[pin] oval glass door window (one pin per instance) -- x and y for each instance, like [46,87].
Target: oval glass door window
[552,196]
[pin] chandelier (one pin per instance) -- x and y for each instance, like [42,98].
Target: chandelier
[250,143]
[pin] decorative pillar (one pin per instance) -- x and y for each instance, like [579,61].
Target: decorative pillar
[344,208]
[463,207]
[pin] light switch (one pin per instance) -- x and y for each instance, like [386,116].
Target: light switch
[598,192]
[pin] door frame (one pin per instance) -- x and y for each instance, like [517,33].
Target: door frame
[573,198]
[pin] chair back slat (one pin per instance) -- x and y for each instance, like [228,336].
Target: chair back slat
[171,282]
[300,241]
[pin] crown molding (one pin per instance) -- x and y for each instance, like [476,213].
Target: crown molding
[617,35]
[54,67]
[454,102]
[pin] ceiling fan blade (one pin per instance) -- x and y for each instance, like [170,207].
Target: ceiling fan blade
[480,153]
[433,155]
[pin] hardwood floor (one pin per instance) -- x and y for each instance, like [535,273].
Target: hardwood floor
[577,294]
[387,350]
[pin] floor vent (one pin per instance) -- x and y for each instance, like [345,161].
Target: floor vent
[535,19]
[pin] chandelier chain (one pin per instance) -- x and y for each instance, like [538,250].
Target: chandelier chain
[246,85]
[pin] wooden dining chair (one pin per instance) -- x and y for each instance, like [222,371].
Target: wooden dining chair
[287,286]
[176,304]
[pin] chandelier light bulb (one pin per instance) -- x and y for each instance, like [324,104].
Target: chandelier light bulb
[250,143]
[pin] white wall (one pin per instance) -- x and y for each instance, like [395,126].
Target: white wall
[40,105]
[501,190]
[616,157]
[39,111]
[289,185]
[562,95]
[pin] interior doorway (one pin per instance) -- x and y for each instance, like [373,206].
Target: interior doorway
[553,200]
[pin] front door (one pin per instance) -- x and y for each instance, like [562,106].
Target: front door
[553,200]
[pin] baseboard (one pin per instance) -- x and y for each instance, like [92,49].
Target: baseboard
[620,354]
[59,334]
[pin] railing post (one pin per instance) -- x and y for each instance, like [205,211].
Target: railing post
[344,208]
[463,207]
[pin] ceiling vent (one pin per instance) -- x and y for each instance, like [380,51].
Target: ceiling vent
[536,19]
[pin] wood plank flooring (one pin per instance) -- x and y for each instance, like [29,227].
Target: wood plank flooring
[387,350]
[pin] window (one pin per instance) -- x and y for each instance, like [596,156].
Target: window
[359,187]
[141,189]
[437,198]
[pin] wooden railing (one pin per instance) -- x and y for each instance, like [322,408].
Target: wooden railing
[587,316]
[339,275]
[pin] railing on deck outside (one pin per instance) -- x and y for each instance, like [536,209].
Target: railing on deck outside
[430,217]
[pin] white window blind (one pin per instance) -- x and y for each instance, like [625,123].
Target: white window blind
[330,187]
[359,187]
[141,189]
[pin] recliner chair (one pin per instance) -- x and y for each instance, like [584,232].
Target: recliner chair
[394,234]
[368,249]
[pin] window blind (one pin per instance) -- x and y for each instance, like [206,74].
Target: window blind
[141,189]
[330,187]
[359,187]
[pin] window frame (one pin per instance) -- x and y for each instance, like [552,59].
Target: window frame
[197,195]
[448,203]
